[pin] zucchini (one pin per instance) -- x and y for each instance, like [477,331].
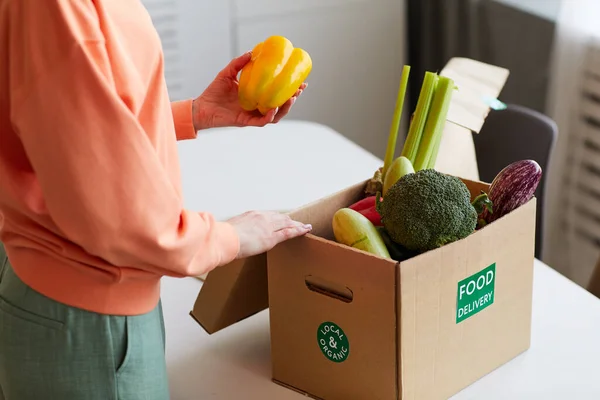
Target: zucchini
[353,229]
[400,167]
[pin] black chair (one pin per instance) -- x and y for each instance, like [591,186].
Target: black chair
[513,134]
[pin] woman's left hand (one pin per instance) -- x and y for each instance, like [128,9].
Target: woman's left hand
[219,106]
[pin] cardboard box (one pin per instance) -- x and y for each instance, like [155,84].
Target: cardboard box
[346,324]
[421,329]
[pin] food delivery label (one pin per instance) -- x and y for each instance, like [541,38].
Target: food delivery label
[475,293]
[333,342]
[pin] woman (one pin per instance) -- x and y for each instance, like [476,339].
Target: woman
[91,210]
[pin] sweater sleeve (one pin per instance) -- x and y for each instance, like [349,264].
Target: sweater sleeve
[101,179]
[182,116]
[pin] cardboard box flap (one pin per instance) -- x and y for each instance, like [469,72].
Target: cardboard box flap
[479,85]
[231,293]
[457,154]
[239,290]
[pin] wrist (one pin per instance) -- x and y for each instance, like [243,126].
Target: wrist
[199,117]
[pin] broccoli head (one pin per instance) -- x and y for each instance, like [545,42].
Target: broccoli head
[426,209]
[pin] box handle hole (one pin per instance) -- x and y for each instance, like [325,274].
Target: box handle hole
[328,288]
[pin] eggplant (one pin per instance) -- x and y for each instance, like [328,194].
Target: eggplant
[512,187]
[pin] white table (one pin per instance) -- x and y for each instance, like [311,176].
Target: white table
[565,351]
[278,167]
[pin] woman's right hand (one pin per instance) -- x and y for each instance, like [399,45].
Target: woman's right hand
[260,231]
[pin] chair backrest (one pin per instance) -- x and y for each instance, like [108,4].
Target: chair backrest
[513,134]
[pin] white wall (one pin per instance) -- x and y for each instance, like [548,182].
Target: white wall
[357,47]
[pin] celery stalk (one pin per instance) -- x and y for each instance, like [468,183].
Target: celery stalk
[434,153]
[440,133]
[393,136]
[415,131]
[434,126]
[436,148]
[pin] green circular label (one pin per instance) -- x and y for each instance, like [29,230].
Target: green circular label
[333,342]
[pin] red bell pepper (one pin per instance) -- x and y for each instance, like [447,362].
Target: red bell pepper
[372,215]
[363,204]
[367,207]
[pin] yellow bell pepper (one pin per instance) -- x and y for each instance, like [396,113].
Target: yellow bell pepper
[273,75]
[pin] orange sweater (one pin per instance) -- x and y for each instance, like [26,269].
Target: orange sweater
[91,210]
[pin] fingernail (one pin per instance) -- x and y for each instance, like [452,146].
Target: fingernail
[293,100]
[308,226]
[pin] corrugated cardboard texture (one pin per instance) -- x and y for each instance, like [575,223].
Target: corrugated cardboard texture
[368,321]
[240,289]
[439,356]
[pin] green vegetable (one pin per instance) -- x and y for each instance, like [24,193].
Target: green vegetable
[483,202]
[391,145]
[434,152]
[353,229]
[400,167]
[434,126]
[397,252]
[415,131]
[427,209]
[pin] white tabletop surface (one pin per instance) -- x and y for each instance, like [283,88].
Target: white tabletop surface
[278,167]
[564,358]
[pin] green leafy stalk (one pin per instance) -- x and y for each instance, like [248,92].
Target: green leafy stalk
[393,136]
[482,202]
[413,139]
[434,126]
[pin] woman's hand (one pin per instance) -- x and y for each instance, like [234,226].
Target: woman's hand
[218,106]
[260,231]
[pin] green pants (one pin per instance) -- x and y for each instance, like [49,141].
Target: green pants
[50,351]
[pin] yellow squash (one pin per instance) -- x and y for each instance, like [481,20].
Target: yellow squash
[273,75]
[353,229]
[400,167]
